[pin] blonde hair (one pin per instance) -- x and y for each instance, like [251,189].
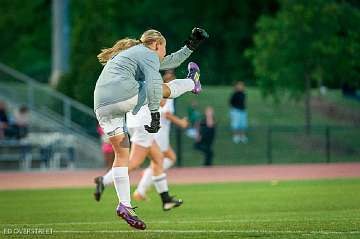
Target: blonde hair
[147,38]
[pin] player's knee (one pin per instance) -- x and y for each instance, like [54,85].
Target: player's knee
[125,143]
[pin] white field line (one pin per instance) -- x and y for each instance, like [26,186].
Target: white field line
[188,221]
[213,231]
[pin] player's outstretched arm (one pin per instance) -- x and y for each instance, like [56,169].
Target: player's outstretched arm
[183,123]
[175,59]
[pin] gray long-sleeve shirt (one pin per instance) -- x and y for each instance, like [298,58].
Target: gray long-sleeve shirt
[135,71]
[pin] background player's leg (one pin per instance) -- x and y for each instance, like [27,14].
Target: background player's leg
[146,179]
[137,156]
[144,184]
[105,180]
[108,178]
[160,180]
[169,158]
[157,159]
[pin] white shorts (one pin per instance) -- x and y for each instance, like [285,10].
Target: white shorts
[112,117]
[162,138]
[139,136]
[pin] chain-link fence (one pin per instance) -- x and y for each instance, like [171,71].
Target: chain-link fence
[274,144]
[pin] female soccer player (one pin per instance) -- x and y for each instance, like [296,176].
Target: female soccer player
[144,144]
[130,79]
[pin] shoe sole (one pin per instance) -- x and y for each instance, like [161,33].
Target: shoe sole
[176,205]
[197,80]
[136,225]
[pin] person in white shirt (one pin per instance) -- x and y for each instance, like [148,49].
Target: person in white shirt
[162,139]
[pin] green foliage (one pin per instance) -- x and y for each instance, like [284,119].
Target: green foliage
[318,38]
[26,36]
[98,24]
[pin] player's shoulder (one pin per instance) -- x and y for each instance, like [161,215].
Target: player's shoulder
[146,53]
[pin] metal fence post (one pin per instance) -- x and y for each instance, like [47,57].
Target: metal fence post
[327,144]
[179,147]
[269,145]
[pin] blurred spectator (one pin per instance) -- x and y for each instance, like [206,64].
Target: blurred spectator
[238,115]
[206,136]
[4,120]
[21,125]
[194,118]
[350,91]
[106,148]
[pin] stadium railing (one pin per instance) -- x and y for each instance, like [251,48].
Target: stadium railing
[51,109]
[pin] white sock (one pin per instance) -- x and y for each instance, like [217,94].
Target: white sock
[179,87]
[160,183]
[146,180]
[167,163]
[122,184]
[108,178]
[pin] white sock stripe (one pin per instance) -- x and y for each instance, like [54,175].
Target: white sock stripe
[159,178]
[160,183]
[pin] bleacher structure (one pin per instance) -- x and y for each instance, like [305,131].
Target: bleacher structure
[62,131]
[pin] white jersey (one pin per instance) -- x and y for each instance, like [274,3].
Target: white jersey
[162,137]
[143,117]
[135,124]
[167,108]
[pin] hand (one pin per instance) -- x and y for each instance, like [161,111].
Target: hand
[184,123]
[197,36]
[155,123]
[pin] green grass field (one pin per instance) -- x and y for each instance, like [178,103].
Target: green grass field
[293,209]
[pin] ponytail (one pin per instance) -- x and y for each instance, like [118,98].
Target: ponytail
[147,38]
[123,44]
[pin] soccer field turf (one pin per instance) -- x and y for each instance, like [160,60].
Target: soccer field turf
[293,209]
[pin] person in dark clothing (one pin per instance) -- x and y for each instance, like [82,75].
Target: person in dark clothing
[238,115]
[206,136]
[4,121]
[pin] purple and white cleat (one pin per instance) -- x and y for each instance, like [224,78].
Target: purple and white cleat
[129,215]
[194,74]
